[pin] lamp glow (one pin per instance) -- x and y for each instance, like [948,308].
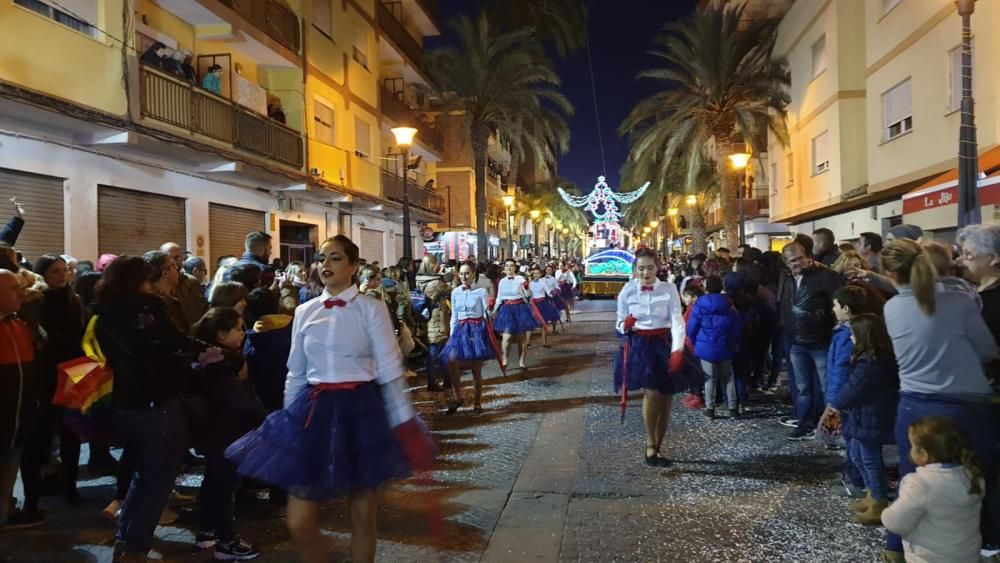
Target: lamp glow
[673,211]
[565,230]
[534,214]
[654,224]
[548,220]
[508,201]
[404,136]
[691,200]
[739,160]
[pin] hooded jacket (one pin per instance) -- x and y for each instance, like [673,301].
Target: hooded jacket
[19,390]
[266,351]
[715,328]
[436,292]
[838,361]
[870,396]
[235,409]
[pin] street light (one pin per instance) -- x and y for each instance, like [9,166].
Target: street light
[691,200]
[404,139]
[969,211]
[508,203]
[672,212]
[565,231]
[740,161]
[535,214]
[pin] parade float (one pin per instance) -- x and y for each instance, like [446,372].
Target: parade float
[608,265]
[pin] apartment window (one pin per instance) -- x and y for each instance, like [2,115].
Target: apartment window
[323,16]
[773,180]
[897,110]
[80,15]
[955,77]
[790,169]
[362,138]
[819,56]
[325,126]
[361,46]
[821,153]
[888,5]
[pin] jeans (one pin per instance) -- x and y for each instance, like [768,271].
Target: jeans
[779,351]
[741,376]
[851,470]
[809,365]
[868,459]
[719,373]
[158,438]
[9,463]
[217,497]
[978,421]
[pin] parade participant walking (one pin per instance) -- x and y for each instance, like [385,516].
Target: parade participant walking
[650,320]
[471,341]
[513,315]
[567,287]
[347,427]
[554,293]
[542,302]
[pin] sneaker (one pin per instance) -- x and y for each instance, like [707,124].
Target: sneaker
[235,550]
[168,517]
[789,421]
[111,511]
[205,540]
[710,413]
[801,434]
[23,519]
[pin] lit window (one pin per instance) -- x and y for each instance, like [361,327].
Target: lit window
[80,15]
[821,153]
[897,110]
[955,77]
[819,56]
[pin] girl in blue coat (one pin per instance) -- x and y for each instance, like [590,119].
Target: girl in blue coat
[715,329]
[870,395]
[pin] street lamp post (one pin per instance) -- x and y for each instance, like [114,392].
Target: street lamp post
[548,235]
[740,161]
[535,214]
[969,212]
[565,232]
[508,203]
[404,139]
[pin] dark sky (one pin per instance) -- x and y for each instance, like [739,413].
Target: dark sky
[621,31]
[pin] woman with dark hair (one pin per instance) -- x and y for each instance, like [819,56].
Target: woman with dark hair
[347,427]
[164,277]
[151,361]
[313,287]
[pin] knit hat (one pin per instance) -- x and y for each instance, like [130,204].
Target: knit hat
[906,231]
[104,261]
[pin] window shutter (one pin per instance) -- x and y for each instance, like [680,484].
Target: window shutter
[821,152]
[323,16]
[324,119]
[362,136]
[897,103]
[85,10]
[819,56]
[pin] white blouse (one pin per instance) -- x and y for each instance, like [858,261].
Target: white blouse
[538,288]
[566,277]
[353,342]
[658,307]
[509,289]
[468,304]
[552,284]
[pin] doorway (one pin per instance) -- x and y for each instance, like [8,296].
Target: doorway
[297,242]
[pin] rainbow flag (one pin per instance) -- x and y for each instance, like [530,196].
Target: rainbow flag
[84,387]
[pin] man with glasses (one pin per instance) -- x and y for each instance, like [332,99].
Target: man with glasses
[188,290]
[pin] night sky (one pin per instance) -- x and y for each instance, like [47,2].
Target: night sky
[621,31]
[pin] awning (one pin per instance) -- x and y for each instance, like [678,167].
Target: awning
[933,205]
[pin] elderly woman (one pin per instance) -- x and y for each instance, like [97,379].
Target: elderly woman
[981,258]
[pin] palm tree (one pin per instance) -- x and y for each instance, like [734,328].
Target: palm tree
[723,85]
[498,80]
[560,23]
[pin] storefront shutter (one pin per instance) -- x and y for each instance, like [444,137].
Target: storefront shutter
[371,246]
[228,228]
[133,222]
[42,197]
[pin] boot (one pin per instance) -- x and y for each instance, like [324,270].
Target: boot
[861,505]
[873,516]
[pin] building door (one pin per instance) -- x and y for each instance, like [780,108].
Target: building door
[298,242]
[227,230]
[42,196]
[133,222]
[371,246]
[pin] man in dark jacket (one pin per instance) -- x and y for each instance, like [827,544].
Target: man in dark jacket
[19,395]
[806,307]
[12,229]
[258,253]
[825,246]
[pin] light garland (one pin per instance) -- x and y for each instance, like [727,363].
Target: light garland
[601,202]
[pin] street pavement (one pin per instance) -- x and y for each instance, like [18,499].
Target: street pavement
[548,473]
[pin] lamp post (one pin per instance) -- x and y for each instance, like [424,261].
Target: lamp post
[654,225]
[740,161]
[671,213]
[508,203]
[565,231]
[535,214]
[548,233]
[404,139]
[968,151]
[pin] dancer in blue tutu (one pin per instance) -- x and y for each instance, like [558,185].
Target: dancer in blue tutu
[347,426]
[554,293]
[513,315]
[651,323]
[472,341]
[541,300]
[567,287]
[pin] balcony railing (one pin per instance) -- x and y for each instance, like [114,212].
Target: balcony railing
[177,103]
[272,18]
[421,197]
[392,26]
[397,110]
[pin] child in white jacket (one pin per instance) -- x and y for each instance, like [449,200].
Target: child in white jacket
[937,513]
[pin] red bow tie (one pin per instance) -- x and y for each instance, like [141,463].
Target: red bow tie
[334,303]
[646,288]
[510,277]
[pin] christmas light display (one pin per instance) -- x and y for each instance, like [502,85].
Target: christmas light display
[601,203]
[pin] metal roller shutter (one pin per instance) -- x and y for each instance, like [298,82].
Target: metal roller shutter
[399,247]
[417,248]
[44,224]
[371,246]
[133,222]
[228,228]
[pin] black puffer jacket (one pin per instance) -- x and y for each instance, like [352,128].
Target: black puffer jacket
[807,310]
[150,358]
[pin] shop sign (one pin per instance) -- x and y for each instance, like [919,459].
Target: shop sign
[931,200]
[856,192]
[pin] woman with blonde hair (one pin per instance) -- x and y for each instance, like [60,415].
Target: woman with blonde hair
[847,261]
[941,342]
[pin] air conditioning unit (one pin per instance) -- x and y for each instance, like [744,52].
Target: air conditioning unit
[822,166]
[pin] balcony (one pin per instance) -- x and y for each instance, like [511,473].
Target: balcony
[420,197]
[397,110]
[389,21]
[280,23]
[179,104]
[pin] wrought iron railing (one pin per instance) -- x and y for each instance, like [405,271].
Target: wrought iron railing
[392,187]
[397,110]
[272,18]
[392,26]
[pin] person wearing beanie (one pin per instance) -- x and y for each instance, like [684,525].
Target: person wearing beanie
[912,232]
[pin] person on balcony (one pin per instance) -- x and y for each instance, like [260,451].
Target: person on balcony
[155,55]
[213,80]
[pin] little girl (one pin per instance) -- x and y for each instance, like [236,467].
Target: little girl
[692,367]
[870,395]
[938,509]
[236,410]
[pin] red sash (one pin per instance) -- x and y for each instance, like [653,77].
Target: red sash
[321,388]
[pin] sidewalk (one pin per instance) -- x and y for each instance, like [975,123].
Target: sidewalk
[548,473]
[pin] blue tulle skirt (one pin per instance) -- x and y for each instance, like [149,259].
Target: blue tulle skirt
[516,318]
[347,446]
[566,290]
[648,364]
[469,343]
[547,308]
[558,301]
